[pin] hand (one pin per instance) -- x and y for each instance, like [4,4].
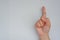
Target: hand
[43,24]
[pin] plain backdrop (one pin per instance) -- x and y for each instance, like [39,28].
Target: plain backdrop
[17,19]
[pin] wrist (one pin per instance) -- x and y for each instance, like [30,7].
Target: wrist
[44,37]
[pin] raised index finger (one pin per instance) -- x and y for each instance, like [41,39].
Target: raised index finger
[43,11]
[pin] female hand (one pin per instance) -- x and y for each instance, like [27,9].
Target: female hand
[43,25]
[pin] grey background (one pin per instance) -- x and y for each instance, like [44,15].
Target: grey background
[17,19]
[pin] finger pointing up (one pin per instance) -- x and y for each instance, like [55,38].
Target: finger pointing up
[44,11]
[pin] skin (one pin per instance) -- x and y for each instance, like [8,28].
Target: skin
[43,26]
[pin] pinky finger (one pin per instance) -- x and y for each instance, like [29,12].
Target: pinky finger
[38,24]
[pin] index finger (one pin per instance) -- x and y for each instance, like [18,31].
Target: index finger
[43,11]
